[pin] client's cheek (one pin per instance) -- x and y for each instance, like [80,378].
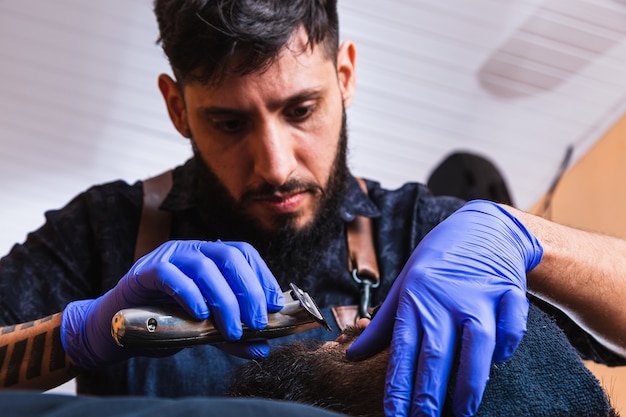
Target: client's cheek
[330,345]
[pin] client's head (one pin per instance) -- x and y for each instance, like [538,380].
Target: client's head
[317,373]
[542,378]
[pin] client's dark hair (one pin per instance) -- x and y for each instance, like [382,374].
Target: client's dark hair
[200,37]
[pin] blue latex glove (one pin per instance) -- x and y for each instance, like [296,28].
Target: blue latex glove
[228,280]
[462,290]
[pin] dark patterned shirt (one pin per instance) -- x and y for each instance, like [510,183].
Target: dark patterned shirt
[84,248]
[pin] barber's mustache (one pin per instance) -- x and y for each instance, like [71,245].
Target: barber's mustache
[269,191]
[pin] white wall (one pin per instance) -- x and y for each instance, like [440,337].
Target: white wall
[78,104]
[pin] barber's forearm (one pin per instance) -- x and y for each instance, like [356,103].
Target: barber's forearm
[32,355]
[584,274]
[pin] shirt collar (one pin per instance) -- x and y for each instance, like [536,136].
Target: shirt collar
[357,203]
[181,196]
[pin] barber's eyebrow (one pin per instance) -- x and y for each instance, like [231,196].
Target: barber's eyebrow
[310,94]
[304,95]
[217,111]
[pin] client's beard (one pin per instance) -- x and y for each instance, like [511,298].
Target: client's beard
[309,372]
[290,253]
[314,373]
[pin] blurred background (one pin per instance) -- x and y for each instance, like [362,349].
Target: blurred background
[520,82]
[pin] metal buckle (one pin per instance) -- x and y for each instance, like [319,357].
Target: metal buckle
[365,285]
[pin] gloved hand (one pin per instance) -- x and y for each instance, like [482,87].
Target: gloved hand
[228,280]
[463,291]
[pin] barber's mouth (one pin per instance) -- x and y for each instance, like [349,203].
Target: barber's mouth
[283,203]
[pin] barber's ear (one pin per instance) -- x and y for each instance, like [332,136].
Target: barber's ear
[346,60]
[175,104]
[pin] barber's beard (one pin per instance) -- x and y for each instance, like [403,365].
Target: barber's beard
[290,252]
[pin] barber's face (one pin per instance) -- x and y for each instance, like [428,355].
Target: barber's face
[271,137]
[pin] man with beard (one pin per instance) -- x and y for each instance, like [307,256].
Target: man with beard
[260,88]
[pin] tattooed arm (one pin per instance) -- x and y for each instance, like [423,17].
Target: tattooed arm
[32,356]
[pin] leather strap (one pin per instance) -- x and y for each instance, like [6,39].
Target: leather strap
[154,224]
[362,255]
[346,316]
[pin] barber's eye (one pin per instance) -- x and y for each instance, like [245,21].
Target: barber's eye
[302,112]
[229,125]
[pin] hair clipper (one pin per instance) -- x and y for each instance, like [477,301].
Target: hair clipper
[170,326]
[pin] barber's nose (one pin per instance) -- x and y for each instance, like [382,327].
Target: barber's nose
[274,154]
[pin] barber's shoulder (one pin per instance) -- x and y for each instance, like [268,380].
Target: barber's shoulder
[114,193]
[435,208]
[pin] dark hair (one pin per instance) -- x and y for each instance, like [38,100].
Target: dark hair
[200,37]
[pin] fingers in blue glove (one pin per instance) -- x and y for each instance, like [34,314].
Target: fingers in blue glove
[273,293]
[511,324]
[217,294]
[172,282]
[163,274]
[417,378]
[241,296]
[478,342]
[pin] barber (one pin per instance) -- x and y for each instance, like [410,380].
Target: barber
[263,106]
